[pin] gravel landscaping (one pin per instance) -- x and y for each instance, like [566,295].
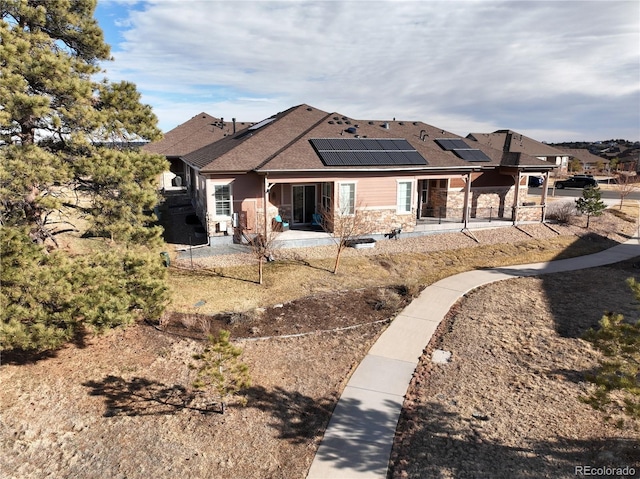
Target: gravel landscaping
[608,227]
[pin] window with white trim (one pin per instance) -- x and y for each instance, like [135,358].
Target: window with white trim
[327,192]
[222,196]
[404,196]
[347,198]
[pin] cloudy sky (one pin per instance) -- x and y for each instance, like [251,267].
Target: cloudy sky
[553,70]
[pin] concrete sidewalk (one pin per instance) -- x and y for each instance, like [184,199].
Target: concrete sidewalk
[358,440]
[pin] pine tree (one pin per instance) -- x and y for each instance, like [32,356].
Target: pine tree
[619,340]
[60,129]
[590,203]
[65,143]
[220,368]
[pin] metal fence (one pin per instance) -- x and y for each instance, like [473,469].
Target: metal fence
[455,215]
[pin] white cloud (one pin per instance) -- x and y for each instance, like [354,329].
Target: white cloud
[460,63]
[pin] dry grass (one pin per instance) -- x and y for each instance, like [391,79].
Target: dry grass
[508,405]
[235,288]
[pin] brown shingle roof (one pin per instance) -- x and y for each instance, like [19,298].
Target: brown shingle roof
[518,144]
[582,154]
[201,130]
[283,145]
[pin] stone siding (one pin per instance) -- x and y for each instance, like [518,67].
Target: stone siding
[530,213]
[491,203]
[384,220]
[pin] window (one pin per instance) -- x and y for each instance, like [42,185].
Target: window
[404,196]
[326,196]
[347,198]
[223,200]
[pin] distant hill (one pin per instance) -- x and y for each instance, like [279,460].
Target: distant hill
[606,149]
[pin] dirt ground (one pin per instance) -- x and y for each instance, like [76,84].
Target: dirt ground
[122,406]
[321,312]
[508,404]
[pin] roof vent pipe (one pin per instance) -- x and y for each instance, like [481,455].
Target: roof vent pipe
[221,123]
[385,126]
[423,134]
[234,125]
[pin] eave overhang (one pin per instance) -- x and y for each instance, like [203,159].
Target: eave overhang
[434,169]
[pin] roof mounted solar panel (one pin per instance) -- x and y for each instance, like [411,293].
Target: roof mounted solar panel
[413,158]
[262,123]
[388,145]
[472,155]
[449,144]
[332,158]
[366,152]
[355,144]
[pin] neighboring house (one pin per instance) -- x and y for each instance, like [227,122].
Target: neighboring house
[304,161]
[201,130]
[589,161]
[508,140]
[629,160]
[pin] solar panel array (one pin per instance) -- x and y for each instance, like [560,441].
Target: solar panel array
[472,155]
[462,150]
[366,152]
[449,144]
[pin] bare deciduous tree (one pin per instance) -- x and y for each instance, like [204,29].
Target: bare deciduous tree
[262,249]
[626,183]
[345,227]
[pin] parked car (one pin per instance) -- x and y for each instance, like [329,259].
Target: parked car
[535,181]
[577,181]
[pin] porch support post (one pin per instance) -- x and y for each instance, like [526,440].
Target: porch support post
[543,198]
[467,196]
[516,197]
[265,201]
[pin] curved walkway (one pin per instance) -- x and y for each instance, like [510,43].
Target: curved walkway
[358,440]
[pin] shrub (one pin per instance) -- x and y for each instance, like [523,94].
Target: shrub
[561,211]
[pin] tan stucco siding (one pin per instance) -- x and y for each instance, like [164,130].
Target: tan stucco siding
[374,192]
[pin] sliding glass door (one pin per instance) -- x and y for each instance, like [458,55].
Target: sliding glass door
[304,203]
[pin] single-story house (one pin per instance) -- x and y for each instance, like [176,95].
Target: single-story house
[515,142]
[588,161]
[304,162]
[201,130]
